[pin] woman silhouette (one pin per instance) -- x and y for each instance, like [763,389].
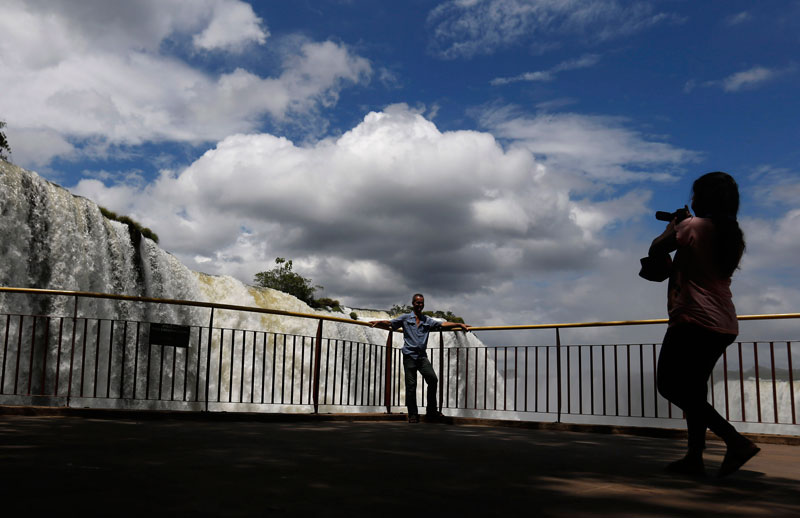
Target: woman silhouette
[702,317]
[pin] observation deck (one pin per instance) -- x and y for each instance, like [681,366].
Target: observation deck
[102,462]
[101,414]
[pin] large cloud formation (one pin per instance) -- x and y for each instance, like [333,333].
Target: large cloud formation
[110,72]
[391,206]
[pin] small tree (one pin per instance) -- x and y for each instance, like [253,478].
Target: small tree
[401,309]
[4,147]
[282,278]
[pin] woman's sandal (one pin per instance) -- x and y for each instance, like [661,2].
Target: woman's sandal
[736,457]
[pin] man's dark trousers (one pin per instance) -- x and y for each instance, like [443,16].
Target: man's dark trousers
[411,366]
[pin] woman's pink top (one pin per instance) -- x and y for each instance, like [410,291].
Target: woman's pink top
[697,293]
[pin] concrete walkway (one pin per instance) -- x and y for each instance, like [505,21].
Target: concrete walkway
[102,465]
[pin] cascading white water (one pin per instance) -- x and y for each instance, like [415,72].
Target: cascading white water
[52,239]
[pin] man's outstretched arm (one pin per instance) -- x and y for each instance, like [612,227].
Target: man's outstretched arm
[455,325]
[381,324]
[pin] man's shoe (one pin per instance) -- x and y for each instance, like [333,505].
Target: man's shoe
[413,419]
[687,466]
[433,416]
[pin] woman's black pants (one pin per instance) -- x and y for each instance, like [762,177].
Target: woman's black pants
[687,357]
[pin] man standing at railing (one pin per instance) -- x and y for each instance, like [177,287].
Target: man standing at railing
[416,329]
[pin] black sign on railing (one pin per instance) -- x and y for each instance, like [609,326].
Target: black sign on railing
[169,334]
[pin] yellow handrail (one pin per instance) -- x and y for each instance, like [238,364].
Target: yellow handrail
[213,305]
[232,307]
[772,316]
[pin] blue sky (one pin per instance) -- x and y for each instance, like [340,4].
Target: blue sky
[503,156]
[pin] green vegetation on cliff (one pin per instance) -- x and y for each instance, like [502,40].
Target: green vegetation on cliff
[282,278]
[146,232]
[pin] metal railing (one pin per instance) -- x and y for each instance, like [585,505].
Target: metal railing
[85,361]
[67,358]
[613,381]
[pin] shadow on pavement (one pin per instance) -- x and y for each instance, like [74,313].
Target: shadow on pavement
[169,467]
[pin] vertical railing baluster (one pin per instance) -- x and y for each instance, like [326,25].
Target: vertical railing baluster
[219,373]
[505,378]
[264,366]
[485,375]
[580,380]
[122,363]
[547,378]
[758,381]
[516,376]
[30,359]
[241,369]
[197,363]
[641,375]
[19,354]
[591,379]
[231,366]
[475,396]
[603,372]
[741,381]
[628,373]
[42,390]
[293,368]
[458,369]
[58,357]
[335,371]
[387,395]
[160,348]
[110,359]
[5,356]
[208,356]
[327,371]
[536,383]
[791,380]
[616,380]
[349,368]
[725,384]
[72,349]
[558,372]
[569,376]
[774,383]
[655,382]
[317,357]
[303,366]
[253,371]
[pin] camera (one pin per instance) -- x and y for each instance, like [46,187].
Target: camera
[679,215]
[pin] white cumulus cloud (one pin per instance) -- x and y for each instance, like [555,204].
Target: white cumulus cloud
[233,25]
[595,148]
[393,199]
[749,78]
[80,75]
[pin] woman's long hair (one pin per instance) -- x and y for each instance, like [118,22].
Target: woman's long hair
[716,196]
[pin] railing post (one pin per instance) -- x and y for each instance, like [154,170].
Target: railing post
[72,351]
[558,373]
[208,355]
[441,372]
[387,391]
[317,355]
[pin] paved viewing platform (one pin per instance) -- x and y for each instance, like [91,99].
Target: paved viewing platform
[107,463]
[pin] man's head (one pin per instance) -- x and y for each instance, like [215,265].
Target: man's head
[418,302]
